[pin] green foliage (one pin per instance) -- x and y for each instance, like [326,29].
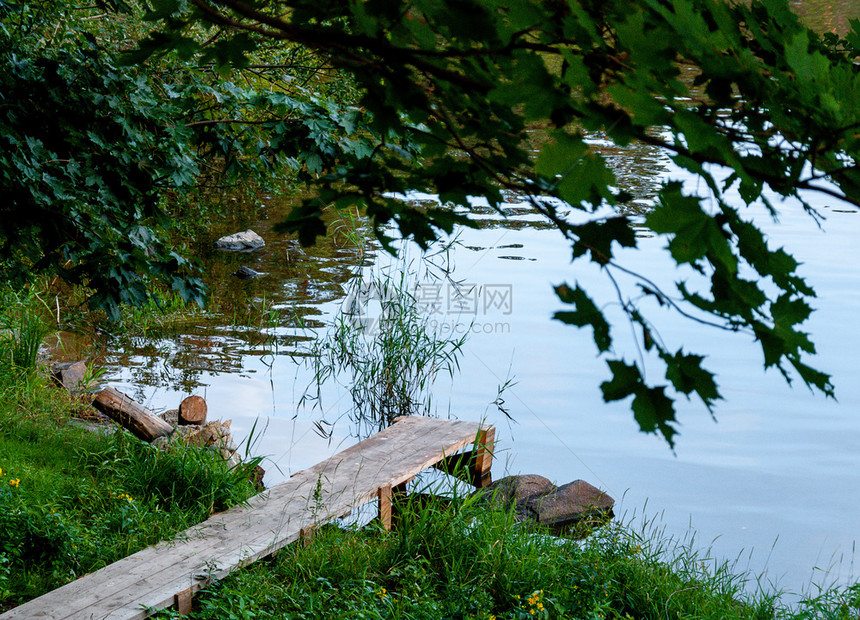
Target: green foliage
[91,149]
[454,90]
[86,151]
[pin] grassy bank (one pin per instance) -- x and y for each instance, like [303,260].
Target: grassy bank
[73,500]
[464,561]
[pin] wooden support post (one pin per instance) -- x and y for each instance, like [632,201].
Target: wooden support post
[384,496]
[485,440]
[182,602]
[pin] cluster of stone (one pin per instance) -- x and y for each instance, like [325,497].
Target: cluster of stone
[574,509]
[190,428]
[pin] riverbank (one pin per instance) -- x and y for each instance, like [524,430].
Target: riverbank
[73,501]
[459,559]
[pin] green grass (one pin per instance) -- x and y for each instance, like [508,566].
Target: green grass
[464,561]
[73,500]
[22,329]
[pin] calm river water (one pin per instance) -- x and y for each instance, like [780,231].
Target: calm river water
[772,482]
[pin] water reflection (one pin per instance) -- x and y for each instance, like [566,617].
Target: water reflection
[256,317]
[827,15]
[298,290]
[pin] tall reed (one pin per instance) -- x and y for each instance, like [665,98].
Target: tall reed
[22,330]
[385,350]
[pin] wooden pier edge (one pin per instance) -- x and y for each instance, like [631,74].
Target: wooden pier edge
[170,573]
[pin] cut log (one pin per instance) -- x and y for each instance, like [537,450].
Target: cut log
[131,415]
[192,410]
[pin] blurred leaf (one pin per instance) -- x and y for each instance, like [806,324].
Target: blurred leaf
[585,313]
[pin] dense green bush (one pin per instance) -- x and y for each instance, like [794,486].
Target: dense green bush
[86,149]
[95,151]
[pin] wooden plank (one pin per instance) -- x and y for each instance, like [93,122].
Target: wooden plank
[155,576]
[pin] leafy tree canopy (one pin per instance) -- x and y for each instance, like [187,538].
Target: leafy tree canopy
[449,90]
[452,88]
[91,150]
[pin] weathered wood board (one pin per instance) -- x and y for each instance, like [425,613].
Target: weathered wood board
[168,573]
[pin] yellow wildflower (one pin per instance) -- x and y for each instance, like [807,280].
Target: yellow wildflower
[382,592]
[14,482]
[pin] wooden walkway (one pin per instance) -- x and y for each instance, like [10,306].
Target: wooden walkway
[169,573]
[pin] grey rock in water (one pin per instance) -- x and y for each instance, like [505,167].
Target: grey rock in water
[576,507]
[70,375]
[240,242]
[572,504]
[246,273]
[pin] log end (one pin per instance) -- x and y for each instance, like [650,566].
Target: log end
[192,410]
